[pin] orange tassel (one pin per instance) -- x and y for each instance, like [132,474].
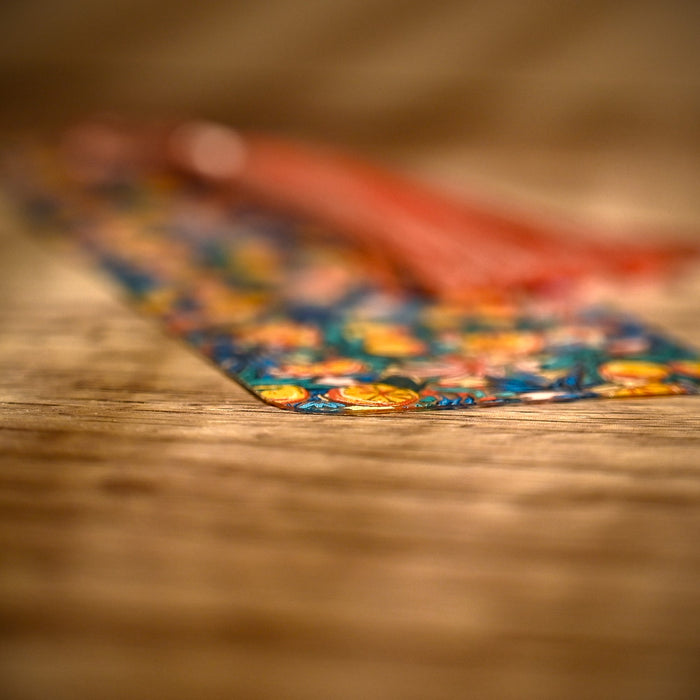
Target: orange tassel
[447,247]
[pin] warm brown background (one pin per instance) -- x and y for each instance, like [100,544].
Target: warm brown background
[165,535]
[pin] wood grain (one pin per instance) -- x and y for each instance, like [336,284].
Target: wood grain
[164,534]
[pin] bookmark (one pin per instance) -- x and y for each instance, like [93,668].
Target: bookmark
[304,320]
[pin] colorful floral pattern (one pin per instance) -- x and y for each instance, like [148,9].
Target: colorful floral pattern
[300,318]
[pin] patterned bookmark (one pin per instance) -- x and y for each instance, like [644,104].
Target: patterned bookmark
[302,319]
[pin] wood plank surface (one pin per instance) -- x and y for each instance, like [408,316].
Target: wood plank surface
[163,534]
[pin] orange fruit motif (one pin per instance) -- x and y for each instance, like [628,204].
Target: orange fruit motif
[385,339]
[259,260]
[633,371]
[394,345]
[283,394]
[233,310]
[690,368]
[509,343]
[336,367]
[373,395]
[158,301]
[466,381]
[284,334]
[651,389]
[451,315]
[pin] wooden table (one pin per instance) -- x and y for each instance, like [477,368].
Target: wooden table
[165,535]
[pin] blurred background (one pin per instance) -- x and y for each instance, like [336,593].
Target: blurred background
[589,106]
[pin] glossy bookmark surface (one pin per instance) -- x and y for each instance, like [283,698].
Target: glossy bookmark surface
[304,321]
